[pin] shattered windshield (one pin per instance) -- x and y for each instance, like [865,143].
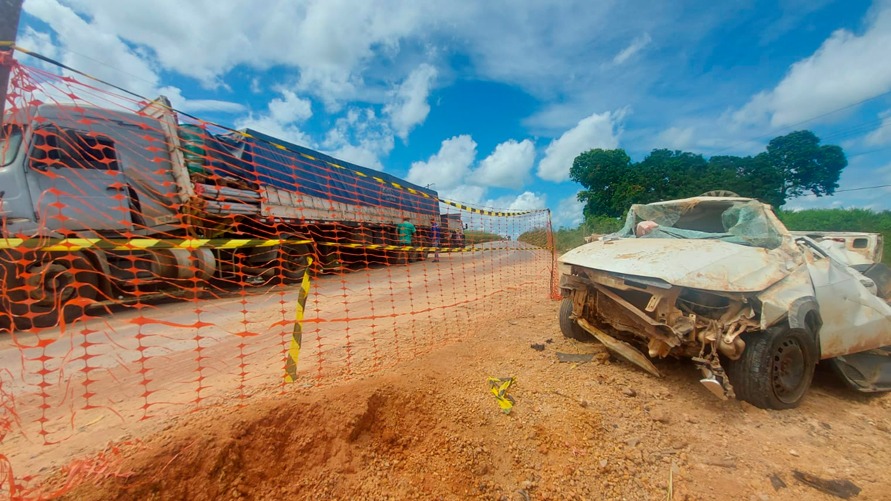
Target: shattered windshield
[10,139]
[743,222]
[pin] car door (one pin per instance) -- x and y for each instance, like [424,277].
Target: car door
[76,181]
[854,319]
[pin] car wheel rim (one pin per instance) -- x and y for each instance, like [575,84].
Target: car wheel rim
[788,370]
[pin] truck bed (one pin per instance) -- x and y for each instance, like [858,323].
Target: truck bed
[296,182]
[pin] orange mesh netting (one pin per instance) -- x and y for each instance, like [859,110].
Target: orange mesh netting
[153,264]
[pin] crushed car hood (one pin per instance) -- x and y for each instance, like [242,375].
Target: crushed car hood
[700,264]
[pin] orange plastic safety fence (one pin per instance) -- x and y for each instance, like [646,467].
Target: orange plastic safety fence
[151,264]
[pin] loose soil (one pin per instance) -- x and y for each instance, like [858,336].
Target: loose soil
[429,428]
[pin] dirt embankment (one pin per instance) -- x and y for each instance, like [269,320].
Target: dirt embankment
[430,429]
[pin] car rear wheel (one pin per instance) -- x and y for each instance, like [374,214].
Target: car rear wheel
[568,326]
[776,368]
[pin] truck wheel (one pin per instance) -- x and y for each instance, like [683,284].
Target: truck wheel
[52,287]
[775,369]
[568,326]
[5,309]
[294,260]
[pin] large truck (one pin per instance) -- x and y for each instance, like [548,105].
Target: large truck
[76,172]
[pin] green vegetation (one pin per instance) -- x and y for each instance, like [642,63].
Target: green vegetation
[841,220]
[536,236]
[570,238]
[473,237]
[790,166]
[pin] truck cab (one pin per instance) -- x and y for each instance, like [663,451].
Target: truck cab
[84,171]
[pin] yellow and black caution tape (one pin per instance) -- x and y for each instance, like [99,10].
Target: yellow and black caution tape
[297,335]
[422,249]
[484,212]
[498,387]
[75,244]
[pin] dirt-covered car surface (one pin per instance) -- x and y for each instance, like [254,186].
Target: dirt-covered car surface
[721,281]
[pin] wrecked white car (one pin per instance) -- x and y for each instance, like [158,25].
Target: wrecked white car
[721,281]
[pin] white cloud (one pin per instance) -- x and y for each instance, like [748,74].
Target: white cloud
[882,134]
[508,166]
[636,46]
[360,137]
[524,201]
[679,138]
[569,212]
[202,105]
[94,51]
[843,71]
[282,119]
[199,105]
[359,155]
[330,42]
[595,131]
[409,106]
[39,42]
[448,167]
[289,108]
[466,194]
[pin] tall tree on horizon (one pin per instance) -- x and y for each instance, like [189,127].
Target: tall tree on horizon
[791,166]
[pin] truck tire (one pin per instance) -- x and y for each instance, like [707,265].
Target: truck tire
[5,307]
[775,369]
[568,326]
[294,260]
[52,288]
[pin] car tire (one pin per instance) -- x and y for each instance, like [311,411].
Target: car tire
[568,326]
[775,369]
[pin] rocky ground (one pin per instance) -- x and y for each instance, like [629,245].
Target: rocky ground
[430,428]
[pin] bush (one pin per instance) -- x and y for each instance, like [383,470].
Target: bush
[841,220]
[537,237]
[473,237]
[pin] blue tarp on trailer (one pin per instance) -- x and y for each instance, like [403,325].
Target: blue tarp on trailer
[257,158]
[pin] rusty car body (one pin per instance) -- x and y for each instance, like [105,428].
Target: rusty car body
[721,281]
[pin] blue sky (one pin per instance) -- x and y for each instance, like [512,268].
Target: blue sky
[489,101]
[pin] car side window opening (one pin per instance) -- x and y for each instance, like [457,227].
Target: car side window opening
[10,139]
[72,149]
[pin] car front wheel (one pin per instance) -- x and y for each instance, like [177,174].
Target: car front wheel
[776,368]
[568,326]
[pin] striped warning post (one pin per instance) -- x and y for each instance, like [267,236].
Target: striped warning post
[297,337]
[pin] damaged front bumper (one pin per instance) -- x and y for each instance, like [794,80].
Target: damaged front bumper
[640,318]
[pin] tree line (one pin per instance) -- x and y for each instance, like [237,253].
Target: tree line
[791,166]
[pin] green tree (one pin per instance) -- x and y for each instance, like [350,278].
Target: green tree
[608,179]
[791,166]
[752,177]
[806,166]
[671,174]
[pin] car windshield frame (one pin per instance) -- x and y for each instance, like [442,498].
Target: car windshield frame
[738,221]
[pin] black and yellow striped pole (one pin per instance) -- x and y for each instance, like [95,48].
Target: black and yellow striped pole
[297,335]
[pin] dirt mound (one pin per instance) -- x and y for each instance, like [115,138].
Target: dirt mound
[431,429]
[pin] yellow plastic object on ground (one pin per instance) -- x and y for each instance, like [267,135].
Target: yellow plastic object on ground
[498,387]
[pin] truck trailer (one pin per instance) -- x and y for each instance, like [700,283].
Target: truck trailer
[75,172]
